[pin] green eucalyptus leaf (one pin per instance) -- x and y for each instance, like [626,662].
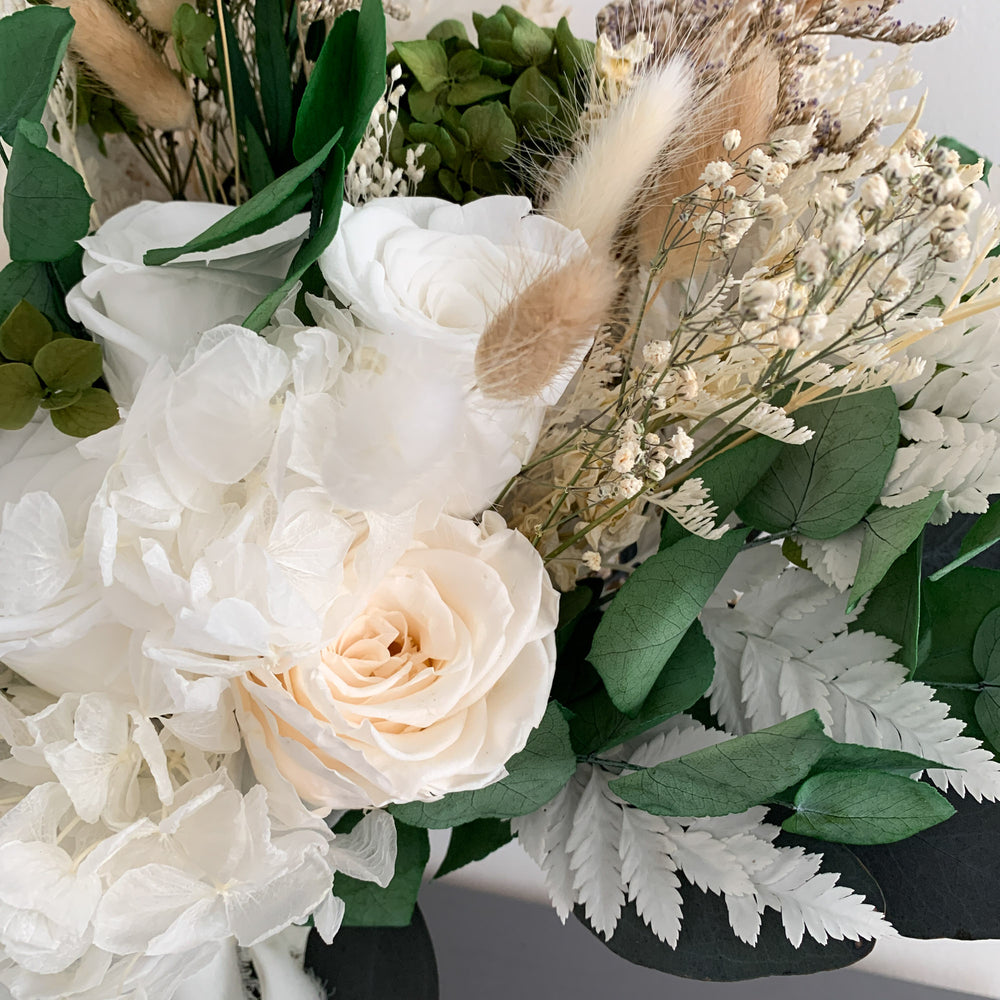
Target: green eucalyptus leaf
[69,364]
[825,486]
[534,777]
[574,53]
[655,607]
[46,208]
[24,333]
[426,59]
[491,132]
[268,208]
[465,65]
[474,841]
[865,807]
[986,648]
[853,757]
[730,777]
[345,85]
[889,532]
[61,399]
[20,394]
[33,43]
[192,32]
[475,90]
[368,904]
[94,412]
[597,725]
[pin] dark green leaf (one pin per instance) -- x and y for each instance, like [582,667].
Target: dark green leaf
[20,394]
[465,65]
[497,68]
[730,777]
[708,949]
[309,252]
[986,648]
[984,534]
[376,963]
[491,132]
[260,173]
[534,776]
[533,97]
[275,72]
[825,486]
[942,883]
[571,606]
[424,105]
[24,333]
[60,400]
[893,607]
[369,905]
[729,477]
[277,203]
[574,53]
[889,532]
[852,757]
[69,364]
[192,31]
[865,807]
[95,411]
[476,89]
[244,92]
[987,709]
[473,842]
[531,43]
[645,622]
[346,83]
[46,208]
[597,724]
[426,59]
[32,282]
[32,45]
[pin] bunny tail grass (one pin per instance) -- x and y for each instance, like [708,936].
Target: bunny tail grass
[600,185]
[539,332]
[135,74]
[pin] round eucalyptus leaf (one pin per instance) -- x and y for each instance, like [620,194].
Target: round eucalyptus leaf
[95,411]
[69,364]
[20,394]
[24,333]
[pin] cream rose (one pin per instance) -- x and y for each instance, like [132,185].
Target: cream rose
[431,688]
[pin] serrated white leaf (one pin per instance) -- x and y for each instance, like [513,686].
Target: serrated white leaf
[792,655]
[835,560]
[596,851]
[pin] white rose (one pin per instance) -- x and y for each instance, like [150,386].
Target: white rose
[141,314]
[426,278]
[433,686]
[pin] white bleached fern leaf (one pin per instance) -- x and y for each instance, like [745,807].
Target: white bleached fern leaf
[599,852]
[782,647]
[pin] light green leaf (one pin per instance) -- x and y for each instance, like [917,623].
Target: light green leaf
[645,622]
[345,85]
[476,89]
[277,203]
[987,709]
[491,132]
[424,105]
[530,42]
[984,534]
[449,28]
[24,333]
[192,31]
[426,59]
[826,486]
[465,65]
[473,842]
[732,776]
[69,364]
[369,905]
[20,394]
[534,97]
[728,477]
[865,807]
[46,208]
[597,724]
[33,43]
[852,757]
[534,777]
[574,53]
[889,532]
[986,648]
[95,411]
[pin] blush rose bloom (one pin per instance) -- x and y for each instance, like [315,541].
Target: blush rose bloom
[432,687]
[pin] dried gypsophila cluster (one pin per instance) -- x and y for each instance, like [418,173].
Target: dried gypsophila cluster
[371,173]
[825,315]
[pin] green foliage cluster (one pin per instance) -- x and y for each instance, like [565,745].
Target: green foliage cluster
[46,210]
[519,89]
